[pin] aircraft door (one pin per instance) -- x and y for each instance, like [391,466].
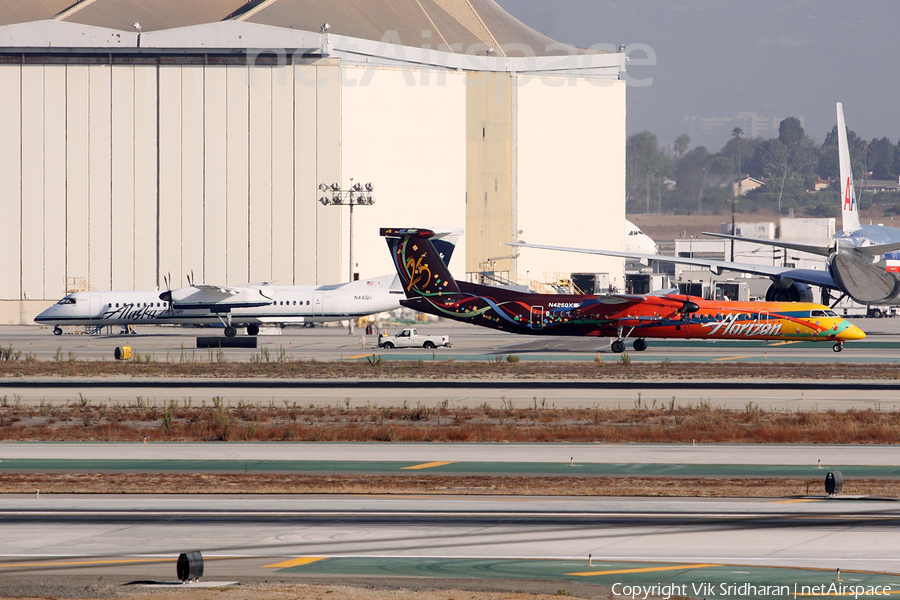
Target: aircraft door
[537,317]
[95,306]
[318,307]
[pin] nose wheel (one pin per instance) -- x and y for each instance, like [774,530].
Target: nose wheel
[57,330]
[838,347]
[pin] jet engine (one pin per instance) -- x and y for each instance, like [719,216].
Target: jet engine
[795,292]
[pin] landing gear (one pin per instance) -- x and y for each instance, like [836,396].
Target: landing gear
[253,329]
[57,330]
[309,325]
[230,331]
[838,347]
[639,344]
[618,346]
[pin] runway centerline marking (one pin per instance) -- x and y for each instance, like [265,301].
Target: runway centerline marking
[295,562]
[645,570]
[429,465]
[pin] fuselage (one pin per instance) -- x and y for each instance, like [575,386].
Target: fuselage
[670,316]
[867,279]
[288,304]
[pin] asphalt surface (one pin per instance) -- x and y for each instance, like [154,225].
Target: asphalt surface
[631,540]
[469,343]
[416,453]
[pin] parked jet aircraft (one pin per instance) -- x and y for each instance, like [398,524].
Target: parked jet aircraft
[431,289]
[234,306]
[638,241]
[863,260]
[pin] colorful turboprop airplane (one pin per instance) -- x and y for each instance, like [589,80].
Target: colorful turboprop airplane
[430,288]
[233,306]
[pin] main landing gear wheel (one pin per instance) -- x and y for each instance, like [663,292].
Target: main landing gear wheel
[837,347]
[57,330]
[617,346]
[639,344]
[230,331]
[253,329]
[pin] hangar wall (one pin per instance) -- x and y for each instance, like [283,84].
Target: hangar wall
[404,130]
[570,173]
[82,196]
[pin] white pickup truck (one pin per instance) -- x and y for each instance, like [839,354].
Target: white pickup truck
[410,338]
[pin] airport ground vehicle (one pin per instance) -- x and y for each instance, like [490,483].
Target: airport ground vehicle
[410,338]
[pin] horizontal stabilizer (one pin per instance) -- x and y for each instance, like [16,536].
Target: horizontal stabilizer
[820,250]
[877,250]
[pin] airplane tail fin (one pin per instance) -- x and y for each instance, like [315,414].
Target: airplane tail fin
[850,207]
[418,263]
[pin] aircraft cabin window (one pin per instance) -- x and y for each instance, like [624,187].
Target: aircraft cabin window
[307,302]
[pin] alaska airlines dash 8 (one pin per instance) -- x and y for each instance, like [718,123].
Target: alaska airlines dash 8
[247,306]
[431,289]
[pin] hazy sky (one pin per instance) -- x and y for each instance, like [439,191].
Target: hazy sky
[719,59]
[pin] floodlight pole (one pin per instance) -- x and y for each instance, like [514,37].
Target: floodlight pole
[356,194]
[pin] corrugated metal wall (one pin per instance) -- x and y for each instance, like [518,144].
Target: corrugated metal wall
[82,196]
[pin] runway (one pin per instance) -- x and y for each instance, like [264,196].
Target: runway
[630,539]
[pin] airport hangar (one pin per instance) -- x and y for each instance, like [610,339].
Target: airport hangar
[140,138]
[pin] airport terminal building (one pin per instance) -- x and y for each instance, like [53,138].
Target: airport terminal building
[142,139]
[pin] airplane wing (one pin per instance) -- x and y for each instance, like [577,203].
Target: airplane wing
[820,250]
[809,276]
[215,298]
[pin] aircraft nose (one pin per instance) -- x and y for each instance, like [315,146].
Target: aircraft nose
[852,332]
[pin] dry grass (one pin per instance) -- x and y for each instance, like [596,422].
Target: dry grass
[443,423]
[283,366]
[290,483]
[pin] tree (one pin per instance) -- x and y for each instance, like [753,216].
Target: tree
[881,159]
[736,133]
[790,131]
[769,159]
[681,144]
[643,160]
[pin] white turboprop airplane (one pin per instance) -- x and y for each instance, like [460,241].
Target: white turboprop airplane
[863,261]
[234,306]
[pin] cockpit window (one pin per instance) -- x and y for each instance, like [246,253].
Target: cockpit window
[830,313]
[67,300]
[817,313]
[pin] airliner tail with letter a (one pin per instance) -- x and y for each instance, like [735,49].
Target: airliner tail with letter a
[849,205]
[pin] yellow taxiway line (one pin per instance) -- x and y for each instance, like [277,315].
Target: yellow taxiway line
[295,562]
[645,570]
[730,358]
[428,465]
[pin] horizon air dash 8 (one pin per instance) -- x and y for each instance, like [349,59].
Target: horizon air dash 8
[431,289]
